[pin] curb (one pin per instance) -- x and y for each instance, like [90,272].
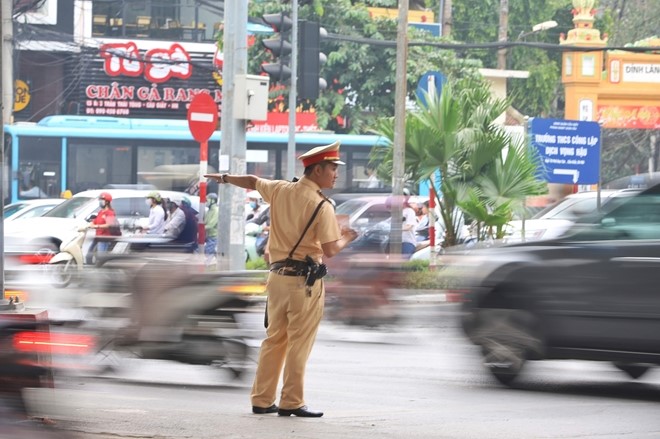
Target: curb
[426,296]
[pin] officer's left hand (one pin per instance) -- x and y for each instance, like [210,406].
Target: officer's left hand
[349,234]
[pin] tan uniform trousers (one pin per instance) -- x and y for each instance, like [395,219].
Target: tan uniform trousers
[293,321]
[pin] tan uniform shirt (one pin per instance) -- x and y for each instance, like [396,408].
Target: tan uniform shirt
[291,207]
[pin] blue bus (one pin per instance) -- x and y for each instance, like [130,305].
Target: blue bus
[89,152]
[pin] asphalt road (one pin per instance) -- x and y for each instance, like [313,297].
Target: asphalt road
[419,379]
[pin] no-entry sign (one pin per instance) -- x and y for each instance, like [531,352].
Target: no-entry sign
[202,117]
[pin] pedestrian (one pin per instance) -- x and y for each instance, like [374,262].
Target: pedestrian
[303,230]
[408,239]
[211,227]
[372,181]
[423,225]
[408,224]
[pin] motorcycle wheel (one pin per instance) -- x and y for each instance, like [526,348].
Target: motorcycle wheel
[62,273]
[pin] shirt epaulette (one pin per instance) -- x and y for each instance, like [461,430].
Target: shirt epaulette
[329,200]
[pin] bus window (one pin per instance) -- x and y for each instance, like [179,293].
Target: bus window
[103,151]
[39,166]
[92,165]
[168,167]
[6,173]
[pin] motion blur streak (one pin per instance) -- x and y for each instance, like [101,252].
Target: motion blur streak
[54,343]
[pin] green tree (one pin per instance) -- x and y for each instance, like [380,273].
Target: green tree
[627,21]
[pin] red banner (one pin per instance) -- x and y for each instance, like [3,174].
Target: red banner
[629,116]
[279,123]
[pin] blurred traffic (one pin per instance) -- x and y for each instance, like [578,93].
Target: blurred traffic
[589,294]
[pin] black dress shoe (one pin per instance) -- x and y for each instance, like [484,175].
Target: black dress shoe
[264,410]
[303,412]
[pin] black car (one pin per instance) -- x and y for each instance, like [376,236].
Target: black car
[592,294]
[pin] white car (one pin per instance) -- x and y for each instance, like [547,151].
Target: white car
[29,208]
[363,213]
[556,219]
[60,223]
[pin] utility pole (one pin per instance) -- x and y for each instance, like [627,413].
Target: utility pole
[399,153]
[502,33]
[231,199]
[446,18]
[293,94]
[7,62]
[7,93]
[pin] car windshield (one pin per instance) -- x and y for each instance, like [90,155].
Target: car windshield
[568,208]
[71,208]
[12,209]
[571,208]
[349,207]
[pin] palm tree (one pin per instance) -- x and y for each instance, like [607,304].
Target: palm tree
[501,190]
[454,133]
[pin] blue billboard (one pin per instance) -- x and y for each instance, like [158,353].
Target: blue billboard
[568,150]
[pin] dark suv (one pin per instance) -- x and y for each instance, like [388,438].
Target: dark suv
[592,294]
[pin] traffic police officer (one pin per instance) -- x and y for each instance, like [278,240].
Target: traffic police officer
[294,308]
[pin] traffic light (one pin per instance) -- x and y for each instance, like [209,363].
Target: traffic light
[310,60]
[279,70]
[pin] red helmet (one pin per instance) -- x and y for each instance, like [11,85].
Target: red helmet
[105,196]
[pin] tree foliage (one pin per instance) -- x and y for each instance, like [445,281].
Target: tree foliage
[627,21]
[477,21]
[361,76]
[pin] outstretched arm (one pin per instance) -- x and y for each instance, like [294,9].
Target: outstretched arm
[244,181]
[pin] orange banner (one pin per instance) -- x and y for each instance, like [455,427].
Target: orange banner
[629,116]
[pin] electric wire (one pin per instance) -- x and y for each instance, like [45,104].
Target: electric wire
[489,46]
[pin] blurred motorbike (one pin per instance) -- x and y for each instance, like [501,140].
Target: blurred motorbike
[26,347]
[179,314]
[68,263]
[359,288]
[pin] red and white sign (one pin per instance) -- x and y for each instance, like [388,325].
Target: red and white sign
[202,117]
[158,65]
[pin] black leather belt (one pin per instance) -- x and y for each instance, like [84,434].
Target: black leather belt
[290,268]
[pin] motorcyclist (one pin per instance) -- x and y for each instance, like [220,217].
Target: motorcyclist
[190,229]
[156,223]
[255,207]
[106,225]
[176,220]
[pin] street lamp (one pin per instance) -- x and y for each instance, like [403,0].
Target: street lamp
[538,28]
